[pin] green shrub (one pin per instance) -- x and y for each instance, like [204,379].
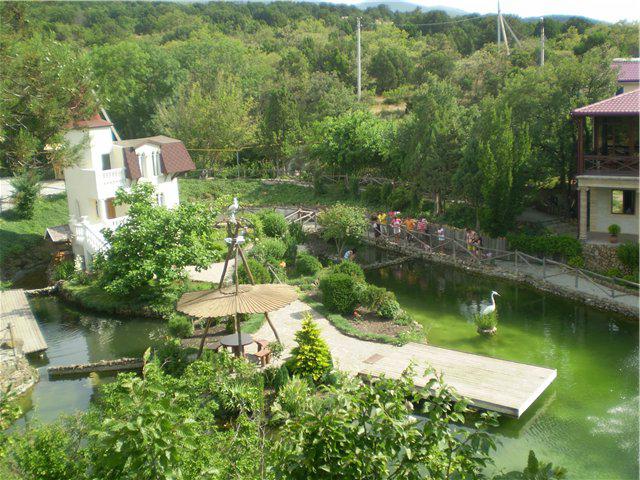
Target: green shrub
[319,184]
[576,261]
[353,187]
[486,322]
[311,358]
[291,253]
[458,215]
[173,358]
[273,224]
[549,245]
[180,326]
[307,264]
[400,199]
[269,250]
[255,227]
[614,229]
[292,399]
[371,194]
[296,232]
[258,270]
[385,192]
[350,268]
[403,319]
[339,292]
[64,271]
[373,296]
[389,307]
[26,189]
[628,255]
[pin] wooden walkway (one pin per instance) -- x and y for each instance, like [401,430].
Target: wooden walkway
[489,383]
[15,310]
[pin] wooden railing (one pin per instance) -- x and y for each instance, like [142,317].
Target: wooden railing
[611,164]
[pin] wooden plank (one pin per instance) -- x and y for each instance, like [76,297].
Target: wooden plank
[16,311]
[489,383]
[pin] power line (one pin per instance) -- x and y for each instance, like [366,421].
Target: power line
[467,19]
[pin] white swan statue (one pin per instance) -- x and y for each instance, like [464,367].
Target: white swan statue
[491,308]
[233,208]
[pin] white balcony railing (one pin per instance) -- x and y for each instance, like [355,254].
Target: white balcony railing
[109,181]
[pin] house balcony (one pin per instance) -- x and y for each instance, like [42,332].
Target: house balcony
[101,184]
[611,165]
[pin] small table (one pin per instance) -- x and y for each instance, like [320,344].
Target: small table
[232,341]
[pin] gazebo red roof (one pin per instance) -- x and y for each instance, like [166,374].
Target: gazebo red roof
[96,121]
[628,70]
[626,104]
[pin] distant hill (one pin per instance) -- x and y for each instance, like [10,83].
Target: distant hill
[410,7]
[562,18]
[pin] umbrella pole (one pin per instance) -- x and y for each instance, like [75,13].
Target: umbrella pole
[236,320]
[204,336]
[253,282]
[232,245]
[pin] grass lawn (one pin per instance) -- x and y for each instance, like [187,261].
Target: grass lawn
[255,193]
[19,236]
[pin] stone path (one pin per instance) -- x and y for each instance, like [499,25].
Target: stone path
[498,385]
[211,274]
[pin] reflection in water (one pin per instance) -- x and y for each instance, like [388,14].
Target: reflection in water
[78,337]
[587,420]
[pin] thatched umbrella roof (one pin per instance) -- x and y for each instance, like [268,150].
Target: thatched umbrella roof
[248,299]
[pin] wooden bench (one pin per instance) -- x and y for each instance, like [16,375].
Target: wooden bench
[262,344]
[264,355]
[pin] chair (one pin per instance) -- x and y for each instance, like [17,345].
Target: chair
[264,355]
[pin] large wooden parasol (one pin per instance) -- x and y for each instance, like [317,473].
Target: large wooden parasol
[248,299]
[239,298]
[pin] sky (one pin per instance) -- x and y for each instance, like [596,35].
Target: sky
[607,10]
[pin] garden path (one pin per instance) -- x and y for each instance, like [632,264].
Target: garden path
[211,274]
[490,383]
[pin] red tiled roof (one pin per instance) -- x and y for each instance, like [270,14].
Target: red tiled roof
[629,70]
[621,105]
[131,161]
[176,158]
[94,122]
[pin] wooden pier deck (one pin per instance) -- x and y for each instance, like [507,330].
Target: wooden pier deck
[16,311]
[489,383]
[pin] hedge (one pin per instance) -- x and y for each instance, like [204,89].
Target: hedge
[339,292]
[307,264]
[548,245]
[349,268]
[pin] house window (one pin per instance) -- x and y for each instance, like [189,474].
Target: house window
[106,161]
[160,199]
[157,167]
[141,164]
[623,202]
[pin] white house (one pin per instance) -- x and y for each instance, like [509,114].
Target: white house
[105,165]
[628,71]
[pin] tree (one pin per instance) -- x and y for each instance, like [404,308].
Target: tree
[431,139]
[351,143]
[342,223]
[26,189]
[367,431]
[133,78]
[311,357]
[148,253]
[217,119]
[390,66]
[501,154]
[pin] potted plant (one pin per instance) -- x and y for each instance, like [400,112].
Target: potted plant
[614,230]
[486,324]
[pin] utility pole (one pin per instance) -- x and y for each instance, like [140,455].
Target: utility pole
[359,60]
[542,41]
[504,34]
[498,24]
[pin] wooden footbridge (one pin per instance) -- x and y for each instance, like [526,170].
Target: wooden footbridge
[16,317]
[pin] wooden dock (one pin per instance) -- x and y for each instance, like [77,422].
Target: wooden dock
[489,383]
[16,311]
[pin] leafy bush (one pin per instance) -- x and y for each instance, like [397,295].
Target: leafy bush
[274,224]
[255,227]
[258,270]
[307,264]
[291,253]
[26,189]
[371,194]
[350,268]
[173,358]
[403,319]
[180,326]
[341,223]
[339,292]
[269,250]
[48,453]
[400,199]
[354,187]
[576,261]
[549,245]
[296,232]
[292,399]
[628,255]
[372,296]
[65,270]
[389,307]
[486,322]
[311,358]
[319,184]
[614,229]
[385,192]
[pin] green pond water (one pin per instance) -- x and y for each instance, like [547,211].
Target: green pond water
[78,337]
[587,420]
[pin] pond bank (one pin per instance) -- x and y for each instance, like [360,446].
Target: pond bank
[627,305]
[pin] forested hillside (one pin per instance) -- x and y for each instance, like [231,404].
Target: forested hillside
[443,107]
